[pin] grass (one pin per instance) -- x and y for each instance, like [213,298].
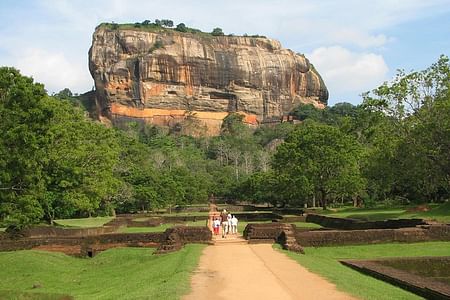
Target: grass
[121,273]
[324,261]
[15,295]
[84,222]
[439,213]
[306,225]
[160,228]
[2,229]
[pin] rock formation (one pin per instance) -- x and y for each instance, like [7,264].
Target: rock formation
[166,77]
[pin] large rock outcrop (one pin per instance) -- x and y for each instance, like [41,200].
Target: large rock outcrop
[166,77]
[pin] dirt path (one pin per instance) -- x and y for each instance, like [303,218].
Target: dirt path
[242,271]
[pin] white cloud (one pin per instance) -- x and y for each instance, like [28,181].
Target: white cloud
[345,71]
[53,69]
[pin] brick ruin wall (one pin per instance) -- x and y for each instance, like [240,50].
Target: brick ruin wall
[353,224]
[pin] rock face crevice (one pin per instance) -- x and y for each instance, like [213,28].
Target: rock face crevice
[158,76]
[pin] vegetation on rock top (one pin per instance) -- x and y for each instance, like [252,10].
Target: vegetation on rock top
[168,26]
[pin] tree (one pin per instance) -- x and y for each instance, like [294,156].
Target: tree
[319,160]
[181,27]
[408,152]
[64,94]
[307,111]
[167,23]
[217,32]
[81,157]
[23,127]
[54,162]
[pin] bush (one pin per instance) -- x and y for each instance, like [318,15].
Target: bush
[217,32]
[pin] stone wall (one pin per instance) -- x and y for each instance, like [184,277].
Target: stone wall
[48,231]
[263,232]
[102,241]
[319,238]
[281,233]
[175,238]
[353,224]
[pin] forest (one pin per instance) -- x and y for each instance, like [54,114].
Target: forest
[56,162]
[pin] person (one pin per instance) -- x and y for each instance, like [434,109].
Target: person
[229,223]
[224,220]
[216,226]
[234,223]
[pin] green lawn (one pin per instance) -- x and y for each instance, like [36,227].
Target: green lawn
[324,261]
[306,225]
[84,222]
[121,273]
[160,228]
[439,213]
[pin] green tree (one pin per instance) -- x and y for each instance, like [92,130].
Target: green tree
[407,159]
[319,160]
[23,127]
[167,23]
[181,27]
[81,157]
[217,32]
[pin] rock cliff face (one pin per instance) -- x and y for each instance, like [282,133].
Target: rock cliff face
[166,77]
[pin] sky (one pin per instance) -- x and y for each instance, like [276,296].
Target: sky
[355,45]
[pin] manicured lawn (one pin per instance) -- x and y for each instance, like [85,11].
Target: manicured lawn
[324,261]
[84,222]
[121,273]
[159,228]
[439,213]
[306,225]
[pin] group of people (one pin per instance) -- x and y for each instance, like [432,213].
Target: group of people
[228,223]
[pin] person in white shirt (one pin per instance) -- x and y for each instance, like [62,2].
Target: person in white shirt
[216,225]
[234,223]
[229,223]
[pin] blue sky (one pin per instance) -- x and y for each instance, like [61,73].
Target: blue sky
[355,45]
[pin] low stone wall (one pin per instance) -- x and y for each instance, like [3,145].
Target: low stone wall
[180,219]
[170,240]
[48,231]
[353,224]
[281,233]
[289,211]
[175,238]
[181,208]
[103,241]
[264,231]
[320,238]
[293,219]
[263,216]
